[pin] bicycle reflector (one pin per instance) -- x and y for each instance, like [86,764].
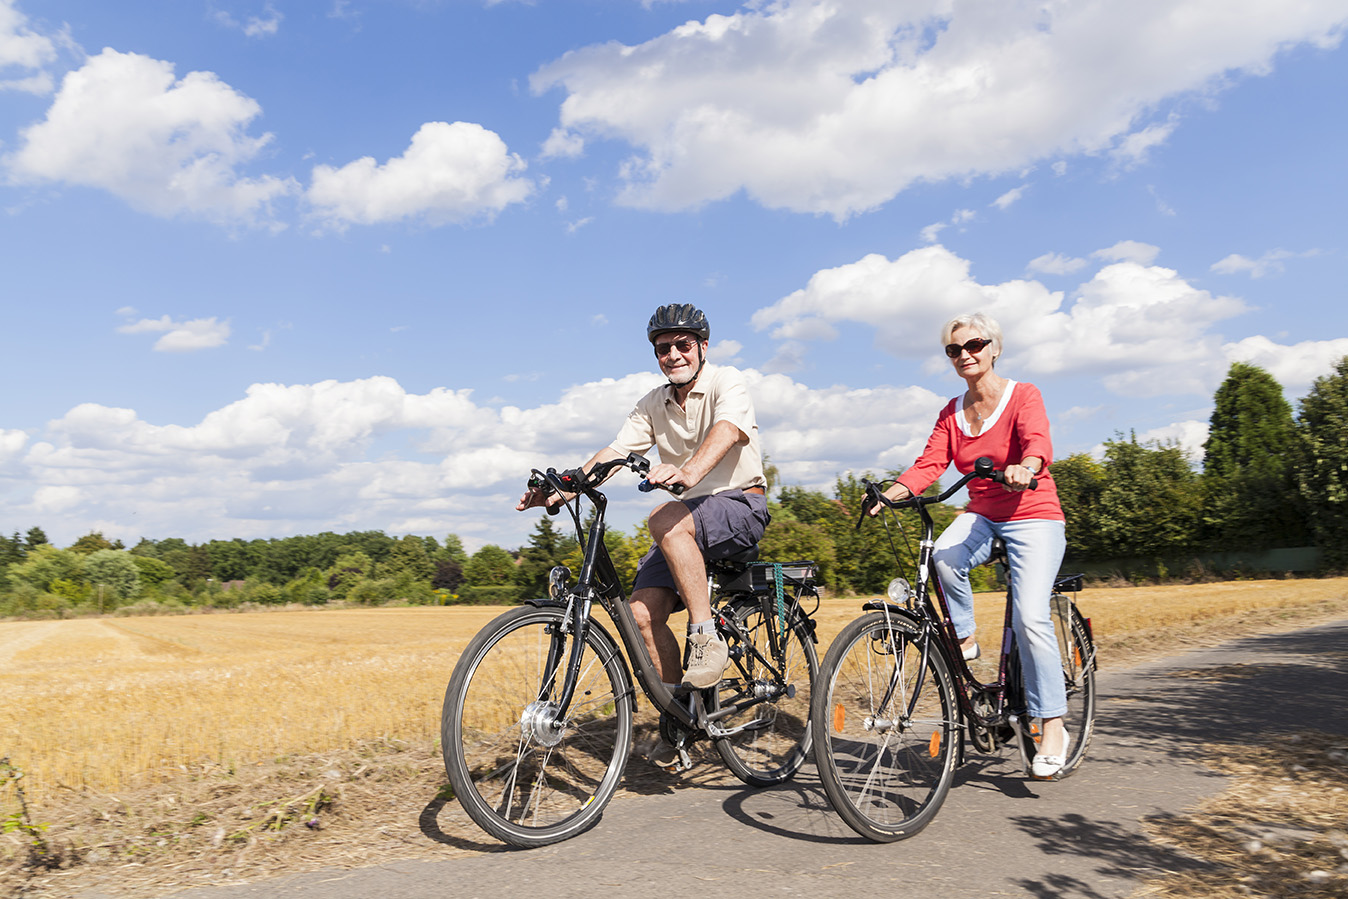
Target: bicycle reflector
[934,747]
[839,717]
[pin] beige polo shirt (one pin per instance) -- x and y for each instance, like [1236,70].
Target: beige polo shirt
[719,395]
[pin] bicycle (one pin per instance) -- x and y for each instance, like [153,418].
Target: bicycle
[895,697]
[538,716]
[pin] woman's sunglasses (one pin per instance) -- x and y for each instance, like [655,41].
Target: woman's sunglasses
[974,347]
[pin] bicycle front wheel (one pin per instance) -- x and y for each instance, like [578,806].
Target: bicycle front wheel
[886,727]
[528,772]
[769,735]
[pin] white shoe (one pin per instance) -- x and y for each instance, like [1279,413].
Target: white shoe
[1046,766]
[708,655]
[972,652]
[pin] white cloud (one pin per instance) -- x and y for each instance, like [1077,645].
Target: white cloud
[301,458]
[121,123]
[1011,196]
[1134,148]
[265,25]
[725,352]
[1295,367]
[450,173]
[1056,264]
[1128,251]
[1142,329]
[1190,435]
[563,144]
[834,108]
[183,337]
[24,50]
[1269,263]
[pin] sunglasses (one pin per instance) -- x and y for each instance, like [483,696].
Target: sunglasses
[974,347]
[683,345]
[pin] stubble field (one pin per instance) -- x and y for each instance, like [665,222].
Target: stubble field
[104,704]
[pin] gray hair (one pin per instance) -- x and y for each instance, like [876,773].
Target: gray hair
[981,322]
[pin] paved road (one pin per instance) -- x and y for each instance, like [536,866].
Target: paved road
[998,834]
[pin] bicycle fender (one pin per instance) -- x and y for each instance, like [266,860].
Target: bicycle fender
[901,617]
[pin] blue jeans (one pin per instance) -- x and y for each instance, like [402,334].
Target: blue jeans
[1034,550]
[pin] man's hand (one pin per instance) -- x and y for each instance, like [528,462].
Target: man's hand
[669,475]
[535,497]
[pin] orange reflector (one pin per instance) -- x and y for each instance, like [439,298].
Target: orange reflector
[1076,651]
[934,747]
[839,717]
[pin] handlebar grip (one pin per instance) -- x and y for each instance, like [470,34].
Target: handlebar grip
[647,487]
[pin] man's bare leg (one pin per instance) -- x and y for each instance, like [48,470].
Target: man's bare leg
[651,607]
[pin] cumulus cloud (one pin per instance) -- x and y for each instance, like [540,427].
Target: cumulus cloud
[181,337]
[1295,367]
[1128,251]
[834,108]
[1143,329]
[1011,196]
[123,124]
[1267,264]
[449,173]
[306,457]
[24,53]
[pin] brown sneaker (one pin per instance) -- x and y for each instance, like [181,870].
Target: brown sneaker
[707,658]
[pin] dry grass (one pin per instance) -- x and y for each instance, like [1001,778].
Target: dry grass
[1281,830]
[201,749]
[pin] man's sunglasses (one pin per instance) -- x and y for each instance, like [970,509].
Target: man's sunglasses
[974,347]
[683,345]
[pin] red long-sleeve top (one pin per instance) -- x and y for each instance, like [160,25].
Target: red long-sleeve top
[1016,431]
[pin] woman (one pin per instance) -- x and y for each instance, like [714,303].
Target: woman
[1005,421]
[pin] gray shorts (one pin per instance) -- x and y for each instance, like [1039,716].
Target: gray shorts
[725,523]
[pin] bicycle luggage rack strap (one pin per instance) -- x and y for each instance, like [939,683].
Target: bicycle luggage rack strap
[758,577]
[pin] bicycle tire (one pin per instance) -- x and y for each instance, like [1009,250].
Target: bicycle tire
[1078,669]
[886,774]
[518,780]
[773,737]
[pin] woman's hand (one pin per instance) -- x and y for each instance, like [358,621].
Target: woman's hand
[896,492]
[1016,478]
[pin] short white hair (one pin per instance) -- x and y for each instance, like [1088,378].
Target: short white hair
[981,322]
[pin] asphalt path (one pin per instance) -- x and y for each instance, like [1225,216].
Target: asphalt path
[998,834]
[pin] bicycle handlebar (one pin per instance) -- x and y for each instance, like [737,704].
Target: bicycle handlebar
[575,480]
[982,469]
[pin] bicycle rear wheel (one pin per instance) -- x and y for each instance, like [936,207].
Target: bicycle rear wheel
[886,727]
[1078,669]
[771,733]
[526,772]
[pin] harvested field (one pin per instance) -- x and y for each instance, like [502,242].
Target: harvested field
[195,746]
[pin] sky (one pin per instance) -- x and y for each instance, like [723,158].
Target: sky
[273,268]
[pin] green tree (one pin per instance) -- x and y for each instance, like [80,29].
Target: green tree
[1151,502]
[1322,465]
[94,541]
[1249,484]
[45,564]
[35,537]
[347,571]
[490,566]
[114,570]
[1081,480]
[408,561]
[547,547]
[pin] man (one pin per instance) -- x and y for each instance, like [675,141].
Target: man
[703,423]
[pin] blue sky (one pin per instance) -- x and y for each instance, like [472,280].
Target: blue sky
[274,267]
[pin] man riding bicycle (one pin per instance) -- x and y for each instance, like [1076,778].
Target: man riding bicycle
[703,423]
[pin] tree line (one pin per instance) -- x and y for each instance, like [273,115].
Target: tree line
[1269,478]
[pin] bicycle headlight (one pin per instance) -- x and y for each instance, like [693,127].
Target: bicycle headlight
[557,581]
[899,591]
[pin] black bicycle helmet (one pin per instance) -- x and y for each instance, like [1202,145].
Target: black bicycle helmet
[678,317]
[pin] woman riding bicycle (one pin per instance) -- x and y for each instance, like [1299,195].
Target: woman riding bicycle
[1005,421]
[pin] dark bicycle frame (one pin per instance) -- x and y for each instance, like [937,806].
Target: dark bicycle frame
[598,579]
[931,618]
